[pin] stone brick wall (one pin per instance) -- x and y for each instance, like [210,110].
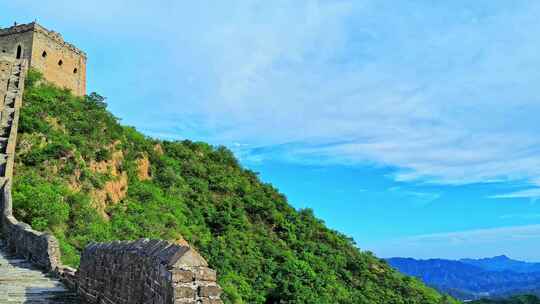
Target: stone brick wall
[71,73]
[146,271]
[11,38]
[60,62]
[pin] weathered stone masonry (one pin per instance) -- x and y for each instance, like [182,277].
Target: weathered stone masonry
[143,271]
[46,51]
[146,271]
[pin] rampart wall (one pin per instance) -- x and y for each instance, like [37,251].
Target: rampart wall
[146,271]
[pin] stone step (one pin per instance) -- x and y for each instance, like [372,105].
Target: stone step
[6,116]
[21,283]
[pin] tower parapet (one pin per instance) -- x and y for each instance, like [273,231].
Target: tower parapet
[46,51]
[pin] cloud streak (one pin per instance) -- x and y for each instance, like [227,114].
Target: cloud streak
[453,102]
[516,241]
[444,93]
[533,193]
[481,235]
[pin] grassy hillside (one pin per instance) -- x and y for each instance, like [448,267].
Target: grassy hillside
[84,177]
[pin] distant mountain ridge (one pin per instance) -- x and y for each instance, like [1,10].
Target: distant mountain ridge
[502,263]
[523,299]
[470,279]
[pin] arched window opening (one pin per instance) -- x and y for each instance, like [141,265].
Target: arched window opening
[75,71]
[60,62]
[44,54]
[19,52]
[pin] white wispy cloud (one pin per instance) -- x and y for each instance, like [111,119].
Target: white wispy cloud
[444,93]
[453,103]
[480,235]
[530,193]
[516,241]
[520,216]
[421,197]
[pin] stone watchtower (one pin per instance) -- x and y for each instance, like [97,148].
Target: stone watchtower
[46,51]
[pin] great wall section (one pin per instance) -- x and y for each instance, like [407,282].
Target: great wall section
[22,248]
[128,272]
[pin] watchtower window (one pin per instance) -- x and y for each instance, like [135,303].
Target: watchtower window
[75,71]
[60,62]
[19,52]
[44,54]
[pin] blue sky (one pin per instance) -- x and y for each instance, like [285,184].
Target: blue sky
[411,126]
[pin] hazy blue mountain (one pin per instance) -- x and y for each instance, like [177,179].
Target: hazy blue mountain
[466,281]
[501,263]
[522,299]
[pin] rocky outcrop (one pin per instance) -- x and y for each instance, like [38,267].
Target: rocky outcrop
[143,168]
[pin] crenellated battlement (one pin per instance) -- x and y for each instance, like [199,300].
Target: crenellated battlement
[35,27]
[16,29]
[61,62]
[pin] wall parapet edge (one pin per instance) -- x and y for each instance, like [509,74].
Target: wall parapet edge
[146,271]
[35,27]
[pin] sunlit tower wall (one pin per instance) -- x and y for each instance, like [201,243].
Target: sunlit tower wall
[46,51]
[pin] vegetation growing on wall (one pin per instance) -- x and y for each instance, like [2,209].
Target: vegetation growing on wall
[84,177]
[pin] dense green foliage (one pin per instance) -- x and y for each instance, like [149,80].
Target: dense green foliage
[526,299]
[265,251]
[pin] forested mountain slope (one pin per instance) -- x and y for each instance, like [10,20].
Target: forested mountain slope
[503,263]
[470,280]
[526,299]
[84,177]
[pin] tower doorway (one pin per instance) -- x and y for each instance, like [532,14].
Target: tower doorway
[19,52]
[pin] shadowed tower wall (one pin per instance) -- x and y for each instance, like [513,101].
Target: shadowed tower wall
[60,62]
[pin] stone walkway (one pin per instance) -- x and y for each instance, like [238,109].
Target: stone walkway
[20,283]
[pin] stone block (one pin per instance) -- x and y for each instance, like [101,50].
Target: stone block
[211,301]
[181,292]
[209,291]
[182,276]
[205,274]
[186,301]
